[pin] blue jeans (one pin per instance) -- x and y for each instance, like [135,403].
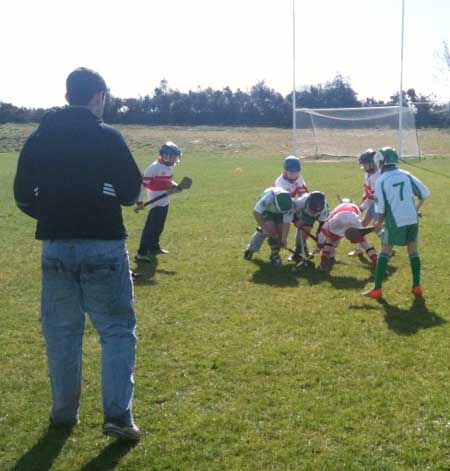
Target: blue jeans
[88,276]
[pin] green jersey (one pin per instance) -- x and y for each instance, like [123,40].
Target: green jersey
[394,197]
[267,204]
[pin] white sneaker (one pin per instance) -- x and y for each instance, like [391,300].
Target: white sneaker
[128,433]
[357,250]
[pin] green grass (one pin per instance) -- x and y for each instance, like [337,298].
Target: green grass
[242,366]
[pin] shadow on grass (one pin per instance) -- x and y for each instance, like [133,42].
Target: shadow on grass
[390,269]
[44,453]
[270,275]
[49,446]
[365,261]
[410,321]
[144,272]
[109,457]
[287,275]
[314,277]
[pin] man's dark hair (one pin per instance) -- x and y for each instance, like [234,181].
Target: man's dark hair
[82,84]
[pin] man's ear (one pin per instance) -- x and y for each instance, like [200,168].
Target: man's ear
[96,103]
[66,96]
[97,99]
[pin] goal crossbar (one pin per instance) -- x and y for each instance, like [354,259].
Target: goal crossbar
[349,131]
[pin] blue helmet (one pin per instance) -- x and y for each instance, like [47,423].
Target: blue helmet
[170,148]
[292,164]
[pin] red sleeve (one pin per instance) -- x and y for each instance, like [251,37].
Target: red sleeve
[158,183]
[301,190]
[368,192]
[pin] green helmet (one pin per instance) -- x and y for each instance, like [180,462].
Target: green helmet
[386,156]
[283,200]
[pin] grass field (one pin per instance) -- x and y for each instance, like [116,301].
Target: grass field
[242,366]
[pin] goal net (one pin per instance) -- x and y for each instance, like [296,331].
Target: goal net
[342,132]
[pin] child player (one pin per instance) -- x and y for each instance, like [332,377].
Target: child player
[394,202]
[290,180]
[367,201]
[308,209]
[345,215]
[157,179]
[273,214]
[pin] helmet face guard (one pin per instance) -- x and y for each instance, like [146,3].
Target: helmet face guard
[315,203]
[169,159]
[170,153]
[290,175]
[367,159]
[283,201]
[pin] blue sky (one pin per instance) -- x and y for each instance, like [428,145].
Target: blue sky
[200,43]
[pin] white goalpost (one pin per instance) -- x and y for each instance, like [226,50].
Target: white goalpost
[344,132]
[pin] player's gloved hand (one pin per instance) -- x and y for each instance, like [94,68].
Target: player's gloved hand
[139,206]
[378,226]
[283,243]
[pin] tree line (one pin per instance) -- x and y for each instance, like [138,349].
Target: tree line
[260,106]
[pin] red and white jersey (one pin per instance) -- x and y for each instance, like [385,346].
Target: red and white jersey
[340,219]
[370,179]
[157,179]
[295,188]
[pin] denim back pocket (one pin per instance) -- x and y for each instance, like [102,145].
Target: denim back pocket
[100,283]
[59,283]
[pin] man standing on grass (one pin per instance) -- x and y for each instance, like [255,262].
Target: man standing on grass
[394,202]
[74,173]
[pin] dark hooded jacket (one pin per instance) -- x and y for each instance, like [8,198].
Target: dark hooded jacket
[73,174]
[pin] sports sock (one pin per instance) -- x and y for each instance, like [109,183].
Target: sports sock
[372,255]
[381,269]
[256,241]
[414,261]
[324,259]
[275,246]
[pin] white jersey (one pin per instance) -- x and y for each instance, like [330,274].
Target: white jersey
[394,196]
[157,179]
[295,188]
[342,217]
[267,204]
[370,180]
